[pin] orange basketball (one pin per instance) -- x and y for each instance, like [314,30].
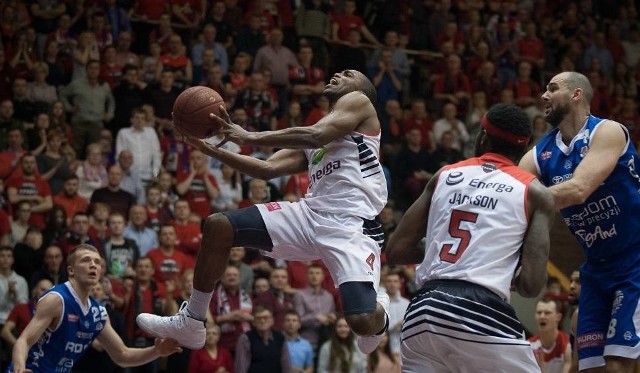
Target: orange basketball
[192,108]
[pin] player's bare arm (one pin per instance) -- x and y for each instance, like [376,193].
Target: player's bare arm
[128,357]
[350,112]
[606,147]
[532,275]
[403,247]
[527,163]
[283,162]
[48,313]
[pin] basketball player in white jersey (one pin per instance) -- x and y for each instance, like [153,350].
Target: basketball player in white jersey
[333,222]
[482,216]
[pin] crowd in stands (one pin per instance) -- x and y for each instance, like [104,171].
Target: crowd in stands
[88,153]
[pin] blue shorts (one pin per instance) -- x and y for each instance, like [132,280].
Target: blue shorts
[609,305]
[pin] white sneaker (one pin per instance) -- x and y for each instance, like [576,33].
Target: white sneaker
[186,330]
[368,344]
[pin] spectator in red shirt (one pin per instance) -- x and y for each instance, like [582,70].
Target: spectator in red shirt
[453,86]
[163,32]
[188,231]
[10,157]
[525,91]
[169,263]
[487,81]
[481,55]
[143,294]
[342,23]
[198,186]
[231,307]
[419,119]
[22,313]
[110,70]
[177,61]
[212,358]
[307,81]
[157,214]
[530,47]
[30,187]
[279,298]
[453,35]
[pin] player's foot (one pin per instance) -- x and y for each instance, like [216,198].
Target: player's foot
[186,330]
[368,344]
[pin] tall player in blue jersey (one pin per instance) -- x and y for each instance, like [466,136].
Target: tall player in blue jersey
[590,166]
[67,320]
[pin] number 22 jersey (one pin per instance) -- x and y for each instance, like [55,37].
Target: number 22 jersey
[59,348]
[477,222]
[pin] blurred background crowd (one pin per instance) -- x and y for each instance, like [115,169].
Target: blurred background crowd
[88,153]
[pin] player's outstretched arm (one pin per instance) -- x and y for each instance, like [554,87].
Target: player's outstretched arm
[130,357]
[49,309]
[283,162]
[347,114]
[532,275]
[403,247]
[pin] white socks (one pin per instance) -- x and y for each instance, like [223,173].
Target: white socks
[198,304]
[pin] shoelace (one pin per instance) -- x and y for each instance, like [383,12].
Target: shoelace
[181,316]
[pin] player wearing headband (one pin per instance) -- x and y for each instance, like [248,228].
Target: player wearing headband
[482,216]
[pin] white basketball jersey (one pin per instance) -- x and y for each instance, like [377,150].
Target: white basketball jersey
[345,176]
[477,223]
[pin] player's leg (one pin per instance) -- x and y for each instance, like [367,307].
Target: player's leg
[348,247]
[221,231]
[594,321]
[623,342]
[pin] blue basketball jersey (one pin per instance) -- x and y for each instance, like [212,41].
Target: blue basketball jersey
[59,348]
[607,223]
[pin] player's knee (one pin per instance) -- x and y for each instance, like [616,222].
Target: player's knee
[360,323]
[358,297]
[217,231]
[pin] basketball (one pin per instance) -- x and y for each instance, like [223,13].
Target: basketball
[192,108]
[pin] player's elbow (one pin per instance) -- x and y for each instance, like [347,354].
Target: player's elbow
[315,138]
[531,286]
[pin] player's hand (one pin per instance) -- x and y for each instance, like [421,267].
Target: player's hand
[231,131]
[166,347]
[202,145]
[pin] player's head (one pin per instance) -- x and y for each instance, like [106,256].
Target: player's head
[348,81]
[84,264]
[565,91]
[548,314]
[506,130]
[574,288]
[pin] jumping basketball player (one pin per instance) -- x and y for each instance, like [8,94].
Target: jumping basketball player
[334,222]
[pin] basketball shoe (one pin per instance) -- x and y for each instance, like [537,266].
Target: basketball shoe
[186,330]
[368,344]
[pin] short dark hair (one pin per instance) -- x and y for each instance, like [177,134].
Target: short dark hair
[367,88]
[512,119]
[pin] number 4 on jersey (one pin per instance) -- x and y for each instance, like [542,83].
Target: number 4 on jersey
[452,254]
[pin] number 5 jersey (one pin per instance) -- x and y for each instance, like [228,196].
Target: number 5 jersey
[477,222]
